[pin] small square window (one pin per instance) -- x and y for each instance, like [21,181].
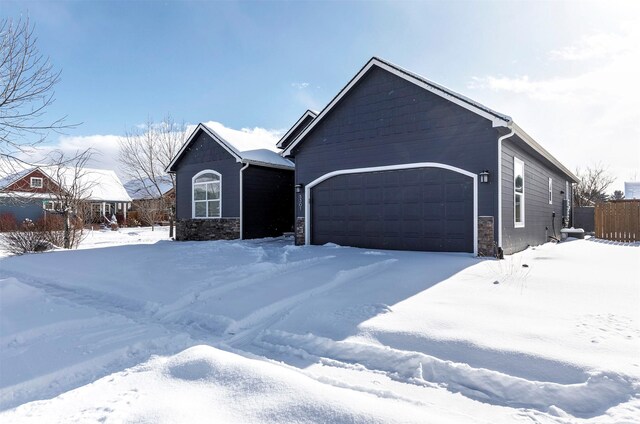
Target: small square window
[36,182]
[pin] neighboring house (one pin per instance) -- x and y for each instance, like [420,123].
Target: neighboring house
[28,193]
[145,195]
[229,187]
[396,161]
[631,190]
[142,190]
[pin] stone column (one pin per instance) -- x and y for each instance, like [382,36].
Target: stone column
[299,236]
[486,240]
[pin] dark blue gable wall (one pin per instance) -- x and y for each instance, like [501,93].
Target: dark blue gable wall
[304,124]
[205,153]
[386,120]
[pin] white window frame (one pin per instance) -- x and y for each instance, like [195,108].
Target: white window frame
[193,201]
[550,191]
[33,179]
[516,223]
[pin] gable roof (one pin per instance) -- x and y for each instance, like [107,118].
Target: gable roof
[105,184]
[244,149]
[497,119]
[304,118]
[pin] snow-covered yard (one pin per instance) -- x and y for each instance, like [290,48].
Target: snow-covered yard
[134,327]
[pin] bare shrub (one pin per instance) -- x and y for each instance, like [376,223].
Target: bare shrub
[46,233]
[8,222]
[28,237]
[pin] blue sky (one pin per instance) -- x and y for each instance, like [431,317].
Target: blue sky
[260,64]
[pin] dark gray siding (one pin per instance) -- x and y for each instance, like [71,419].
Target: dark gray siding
[22,209]
[304,124]
[205,153]
[386,120]
[538,212]
[267,202]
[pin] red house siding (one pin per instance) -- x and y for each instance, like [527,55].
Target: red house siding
[24,183]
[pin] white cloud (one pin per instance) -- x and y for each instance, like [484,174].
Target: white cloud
[594,46]
[300,85]
[585,116]
[107,148]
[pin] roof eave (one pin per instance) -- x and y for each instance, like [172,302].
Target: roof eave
[268,165]
[541,150]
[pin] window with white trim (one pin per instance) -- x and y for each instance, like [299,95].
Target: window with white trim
[518,192]
[207,195]
[36,182]
[550,191]
[51,205]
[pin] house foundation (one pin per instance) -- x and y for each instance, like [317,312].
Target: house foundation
[208,229]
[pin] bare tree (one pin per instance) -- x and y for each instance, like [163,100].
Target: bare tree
[592,185]
[73,186]
[146,152]
[27,81]
[151,210]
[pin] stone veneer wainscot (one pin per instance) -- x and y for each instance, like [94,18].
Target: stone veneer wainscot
[208,229]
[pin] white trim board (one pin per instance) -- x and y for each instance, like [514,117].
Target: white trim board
[246,165]
[308,187]
[497,119]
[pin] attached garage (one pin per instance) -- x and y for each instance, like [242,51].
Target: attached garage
[427,207]
[396,161]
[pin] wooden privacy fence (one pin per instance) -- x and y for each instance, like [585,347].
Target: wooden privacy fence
[618,220]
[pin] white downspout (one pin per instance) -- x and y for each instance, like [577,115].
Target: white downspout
[246,165]
[500,140]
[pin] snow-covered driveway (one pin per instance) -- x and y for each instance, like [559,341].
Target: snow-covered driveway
[340,334]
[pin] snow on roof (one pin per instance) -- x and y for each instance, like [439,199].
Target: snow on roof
[255,145]
[141,189]
[8,178]
[104,183]
[267,157]
[246,138]
[247,145]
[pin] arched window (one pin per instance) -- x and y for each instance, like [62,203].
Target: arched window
[207,194]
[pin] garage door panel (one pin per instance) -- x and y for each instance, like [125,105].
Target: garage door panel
[411,194]
[411,209]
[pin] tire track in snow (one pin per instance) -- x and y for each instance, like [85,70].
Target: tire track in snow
[587,399]
[248,328]
[254,278]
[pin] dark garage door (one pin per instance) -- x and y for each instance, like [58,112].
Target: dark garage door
[428,209]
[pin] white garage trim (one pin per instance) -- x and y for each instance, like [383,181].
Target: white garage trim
[307,191]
